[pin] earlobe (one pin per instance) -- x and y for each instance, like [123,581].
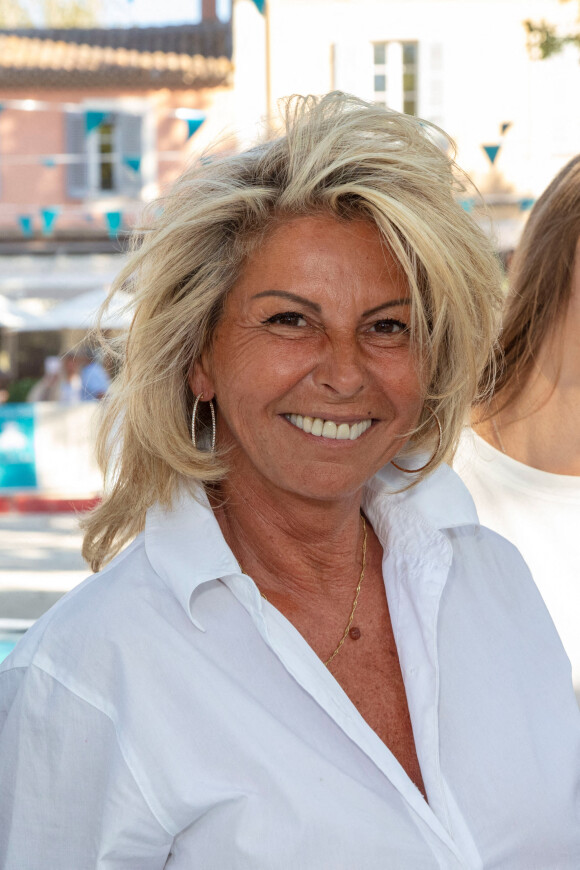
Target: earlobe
[200,381]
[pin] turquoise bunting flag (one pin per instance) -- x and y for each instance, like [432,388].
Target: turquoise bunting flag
[26,225]
[49,216]
[193,125]
[491,151]
[133,163]
[114,222]
[94,120]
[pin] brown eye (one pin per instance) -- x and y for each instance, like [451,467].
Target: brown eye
[287,318]
[389,327]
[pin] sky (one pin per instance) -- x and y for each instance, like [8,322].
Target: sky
[140,13]
[149,12]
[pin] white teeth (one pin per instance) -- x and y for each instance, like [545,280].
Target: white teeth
[328,428]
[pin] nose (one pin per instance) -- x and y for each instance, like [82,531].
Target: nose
[340,369]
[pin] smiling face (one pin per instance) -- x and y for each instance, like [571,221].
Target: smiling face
[311,363]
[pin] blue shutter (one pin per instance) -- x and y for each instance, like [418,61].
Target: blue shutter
[130,140]
[77,180]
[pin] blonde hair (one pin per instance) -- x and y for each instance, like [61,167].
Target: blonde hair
[339,156]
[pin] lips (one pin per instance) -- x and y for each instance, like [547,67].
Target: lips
[328,428]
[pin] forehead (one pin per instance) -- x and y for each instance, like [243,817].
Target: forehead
[321,254]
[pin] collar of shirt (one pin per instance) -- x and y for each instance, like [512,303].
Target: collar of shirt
[172,537]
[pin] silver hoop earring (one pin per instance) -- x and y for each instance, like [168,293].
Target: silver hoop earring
[437,449]
[198,399]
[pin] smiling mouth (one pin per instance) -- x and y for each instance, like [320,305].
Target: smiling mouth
[328,428]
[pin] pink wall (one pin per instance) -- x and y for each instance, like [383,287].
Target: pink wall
[23,133]
[27,187]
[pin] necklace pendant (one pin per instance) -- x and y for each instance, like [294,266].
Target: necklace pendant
[354,633]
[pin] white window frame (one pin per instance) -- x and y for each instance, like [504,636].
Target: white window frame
[148,169]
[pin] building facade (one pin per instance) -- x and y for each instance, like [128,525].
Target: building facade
[466,65]
[94,124]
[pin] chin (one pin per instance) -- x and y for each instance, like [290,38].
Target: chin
[327,484]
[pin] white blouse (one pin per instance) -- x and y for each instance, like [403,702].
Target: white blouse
[539,512]
[163,715]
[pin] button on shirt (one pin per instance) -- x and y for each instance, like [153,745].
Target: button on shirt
[164,715]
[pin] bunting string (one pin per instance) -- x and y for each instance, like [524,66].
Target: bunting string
[51,160]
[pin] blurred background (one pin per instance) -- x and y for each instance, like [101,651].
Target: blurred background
[102,104]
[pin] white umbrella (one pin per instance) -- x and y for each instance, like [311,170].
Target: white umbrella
[80,312]
[12,316]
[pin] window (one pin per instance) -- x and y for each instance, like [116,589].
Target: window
[396,75]
[105,147]
[106,160]
[410,78]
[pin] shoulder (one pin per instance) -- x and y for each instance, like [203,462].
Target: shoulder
[83,638]
[488,556]
[491,589]
[438,518]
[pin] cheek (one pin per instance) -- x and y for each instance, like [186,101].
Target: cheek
[265,368]
[400,377]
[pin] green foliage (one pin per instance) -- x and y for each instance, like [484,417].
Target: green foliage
[545,41]
[18,390]
[71,13]
[49,13]
[13,15]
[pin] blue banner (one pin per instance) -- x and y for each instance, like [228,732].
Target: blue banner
[260,6]
[17,462]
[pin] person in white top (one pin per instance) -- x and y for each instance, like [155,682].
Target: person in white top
[311,654]
[521,461]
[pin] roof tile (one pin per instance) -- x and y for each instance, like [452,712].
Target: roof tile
[170,57]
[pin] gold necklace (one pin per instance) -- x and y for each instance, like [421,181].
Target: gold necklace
[347,630]
[356,594]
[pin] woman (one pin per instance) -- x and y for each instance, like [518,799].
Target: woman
[522,462]
[306,662]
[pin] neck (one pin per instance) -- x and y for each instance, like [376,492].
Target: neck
[295,548]
[540,426]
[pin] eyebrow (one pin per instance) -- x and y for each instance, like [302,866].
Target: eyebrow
[292,297]
[392,303]
[314,306]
